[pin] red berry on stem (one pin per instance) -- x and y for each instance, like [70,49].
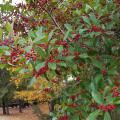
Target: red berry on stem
[42,71]
[73,97]
[77,37]
[78,78]
[104,71]
[95,28]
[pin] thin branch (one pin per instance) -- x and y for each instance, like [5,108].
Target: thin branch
[53,19]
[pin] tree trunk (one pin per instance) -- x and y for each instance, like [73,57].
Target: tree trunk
[7,109]
[3,106]
[20,106]
[51,105]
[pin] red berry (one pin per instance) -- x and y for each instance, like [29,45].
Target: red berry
[104,71]
[95,28]
[111,107]
[107,108]
[81,20]
[42,70]
[73,97]
[78,78]
[48,90]
[42,2]
[64,117]
[77,37]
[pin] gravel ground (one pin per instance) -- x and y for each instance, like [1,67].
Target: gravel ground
[26,115]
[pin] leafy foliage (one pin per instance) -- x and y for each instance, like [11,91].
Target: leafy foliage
[67,39]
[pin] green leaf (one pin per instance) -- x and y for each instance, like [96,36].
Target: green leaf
[97,64]
[81,30]
[94,19]
[63,64]
[97,97]
[50,35]
[86,19]
[7,53]
[117,102]
[69,27]
[60,49]
[41,52]
[87,8]
[41,37]
[1,33]
[93,115]
[31,34]
[98,78]
[39,65]
[69,58]
[112,71]
[22,41]
[107,116]
[84,56]
[89,43]
[106,90]
[52,66]
[28,48]
[66,35]
[93,87]
[75,117]
[109,99]
[9,27]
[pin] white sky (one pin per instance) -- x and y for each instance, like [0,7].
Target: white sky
[13,1]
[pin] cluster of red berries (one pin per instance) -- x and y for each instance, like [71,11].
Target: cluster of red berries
[77,37]
[115,92]
[107,107]
[42,2]
[51,59]
[31,55]
[14,56]
[63,42]
[64,117]
[73,97]
[81,21]
[104,71]
[25,19]
[44,46]
[6,42]
[95,29]
[48,90]
[42,70]
[78,78]
[3,59]
[65,52]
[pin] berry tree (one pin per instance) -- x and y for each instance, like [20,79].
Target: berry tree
[72,39]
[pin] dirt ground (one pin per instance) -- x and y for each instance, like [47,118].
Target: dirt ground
[26,115]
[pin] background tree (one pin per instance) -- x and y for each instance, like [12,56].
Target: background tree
[6,89]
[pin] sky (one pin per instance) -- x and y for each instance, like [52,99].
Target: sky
[13,1]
